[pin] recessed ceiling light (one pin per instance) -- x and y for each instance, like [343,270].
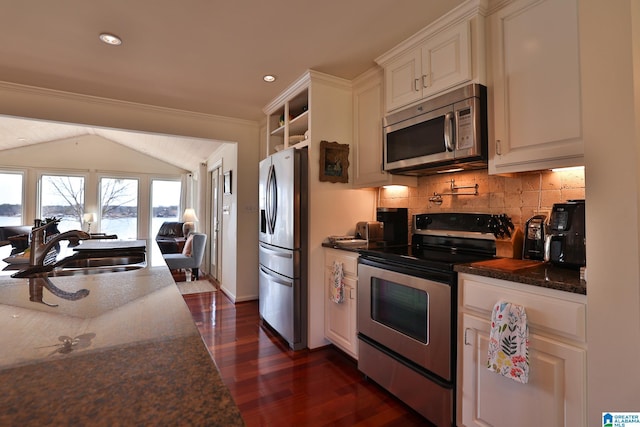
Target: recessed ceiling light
[110,39]
[269,78]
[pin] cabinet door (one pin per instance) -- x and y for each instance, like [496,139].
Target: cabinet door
[403,80]
[341,318]
[446,60]
[536,71]
[367,128]
[554,395]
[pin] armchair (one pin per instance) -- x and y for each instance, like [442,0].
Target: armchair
[170,237]
[191,257]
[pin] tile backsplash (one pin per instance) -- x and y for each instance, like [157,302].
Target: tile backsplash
[520,196]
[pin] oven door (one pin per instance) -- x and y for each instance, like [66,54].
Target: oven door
[409,315]
[418,141]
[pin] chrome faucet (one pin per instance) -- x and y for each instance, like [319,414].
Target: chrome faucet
[39,249]
[37,272]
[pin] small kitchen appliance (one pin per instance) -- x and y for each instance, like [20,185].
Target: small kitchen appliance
[395,225]
[565,244]
[371,231]
[533,246]
[449,131]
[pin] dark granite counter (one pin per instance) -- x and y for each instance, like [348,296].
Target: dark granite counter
[534,273]
[127,353]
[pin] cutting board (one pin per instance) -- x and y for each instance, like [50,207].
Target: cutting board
[507,264]
[108,245]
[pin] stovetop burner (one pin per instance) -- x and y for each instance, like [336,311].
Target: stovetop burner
[442,240]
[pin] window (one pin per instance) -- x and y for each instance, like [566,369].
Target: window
[62,197]
[11,198]
[165,203]
[119,207]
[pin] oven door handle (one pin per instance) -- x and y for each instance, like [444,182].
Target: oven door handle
[449,136]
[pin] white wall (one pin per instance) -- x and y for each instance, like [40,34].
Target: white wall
[611,118]
[238,277]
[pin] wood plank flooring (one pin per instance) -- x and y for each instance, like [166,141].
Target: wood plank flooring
[274,386]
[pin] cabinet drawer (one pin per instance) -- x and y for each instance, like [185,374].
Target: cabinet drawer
[546,311]
[349,261]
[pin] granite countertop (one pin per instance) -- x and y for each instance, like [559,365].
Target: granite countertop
[535,273]
[127,353]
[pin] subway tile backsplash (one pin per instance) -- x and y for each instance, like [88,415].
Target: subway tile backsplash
[520,195]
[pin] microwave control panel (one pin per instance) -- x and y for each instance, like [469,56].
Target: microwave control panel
[465,129]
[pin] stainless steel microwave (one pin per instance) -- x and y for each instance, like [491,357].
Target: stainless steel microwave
[448,132]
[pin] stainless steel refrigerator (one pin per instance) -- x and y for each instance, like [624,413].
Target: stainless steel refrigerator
[283,244]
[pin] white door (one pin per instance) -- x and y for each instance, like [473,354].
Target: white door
[215,224]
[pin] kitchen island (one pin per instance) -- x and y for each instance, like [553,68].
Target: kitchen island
[126,353]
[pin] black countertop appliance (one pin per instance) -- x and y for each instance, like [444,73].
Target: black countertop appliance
[565,243]
[395,225]
[533,245]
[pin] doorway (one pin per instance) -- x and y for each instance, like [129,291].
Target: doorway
[215,267]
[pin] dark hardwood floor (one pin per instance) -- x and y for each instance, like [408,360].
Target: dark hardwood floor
[274,386]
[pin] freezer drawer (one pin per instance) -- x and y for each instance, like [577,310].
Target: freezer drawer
[283,306]
[283,261]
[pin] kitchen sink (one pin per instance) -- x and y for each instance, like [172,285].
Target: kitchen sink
[99,263]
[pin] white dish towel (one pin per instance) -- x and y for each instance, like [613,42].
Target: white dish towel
[337,283]
[509,342]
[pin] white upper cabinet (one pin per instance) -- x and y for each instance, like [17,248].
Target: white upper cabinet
[367,134]
[446,54]
[535,67]
[441,62]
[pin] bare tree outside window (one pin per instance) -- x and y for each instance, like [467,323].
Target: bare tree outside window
[119,207]
[63,197]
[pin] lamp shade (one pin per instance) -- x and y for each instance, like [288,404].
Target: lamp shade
[189,215]
[89,217]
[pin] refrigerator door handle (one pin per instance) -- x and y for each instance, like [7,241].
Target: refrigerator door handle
[272,199]
[275,253]
[275,279]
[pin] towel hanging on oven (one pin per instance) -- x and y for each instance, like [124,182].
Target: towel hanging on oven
[509,342]
[337,283]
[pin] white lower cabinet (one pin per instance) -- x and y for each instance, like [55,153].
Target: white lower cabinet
[340,318]
[555,393]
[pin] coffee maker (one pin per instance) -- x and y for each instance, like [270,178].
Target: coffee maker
[533,245]
[395,225]
[565,244]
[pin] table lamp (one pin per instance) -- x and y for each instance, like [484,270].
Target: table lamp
[189,217]
[89,218]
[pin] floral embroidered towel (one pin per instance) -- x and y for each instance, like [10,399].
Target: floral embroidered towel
[337,283]
[509,342]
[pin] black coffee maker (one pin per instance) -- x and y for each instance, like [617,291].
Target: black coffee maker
[565,243]
[395,225]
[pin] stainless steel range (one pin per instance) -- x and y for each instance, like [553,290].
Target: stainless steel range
[407,308]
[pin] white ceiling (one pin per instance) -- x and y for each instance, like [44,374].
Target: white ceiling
[204,56]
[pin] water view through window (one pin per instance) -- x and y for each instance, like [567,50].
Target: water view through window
[11,198]
[119,207]
[165,203]
[62,197]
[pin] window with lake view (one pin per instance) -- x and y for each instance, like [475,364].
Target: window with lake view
[11,198]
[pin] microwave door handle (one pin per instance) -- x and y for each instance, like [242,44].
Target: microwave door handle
[448,131]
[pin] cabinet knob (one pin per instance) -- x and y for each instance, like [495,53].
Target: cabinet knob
[498,147]
[415,85]
[425,83]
